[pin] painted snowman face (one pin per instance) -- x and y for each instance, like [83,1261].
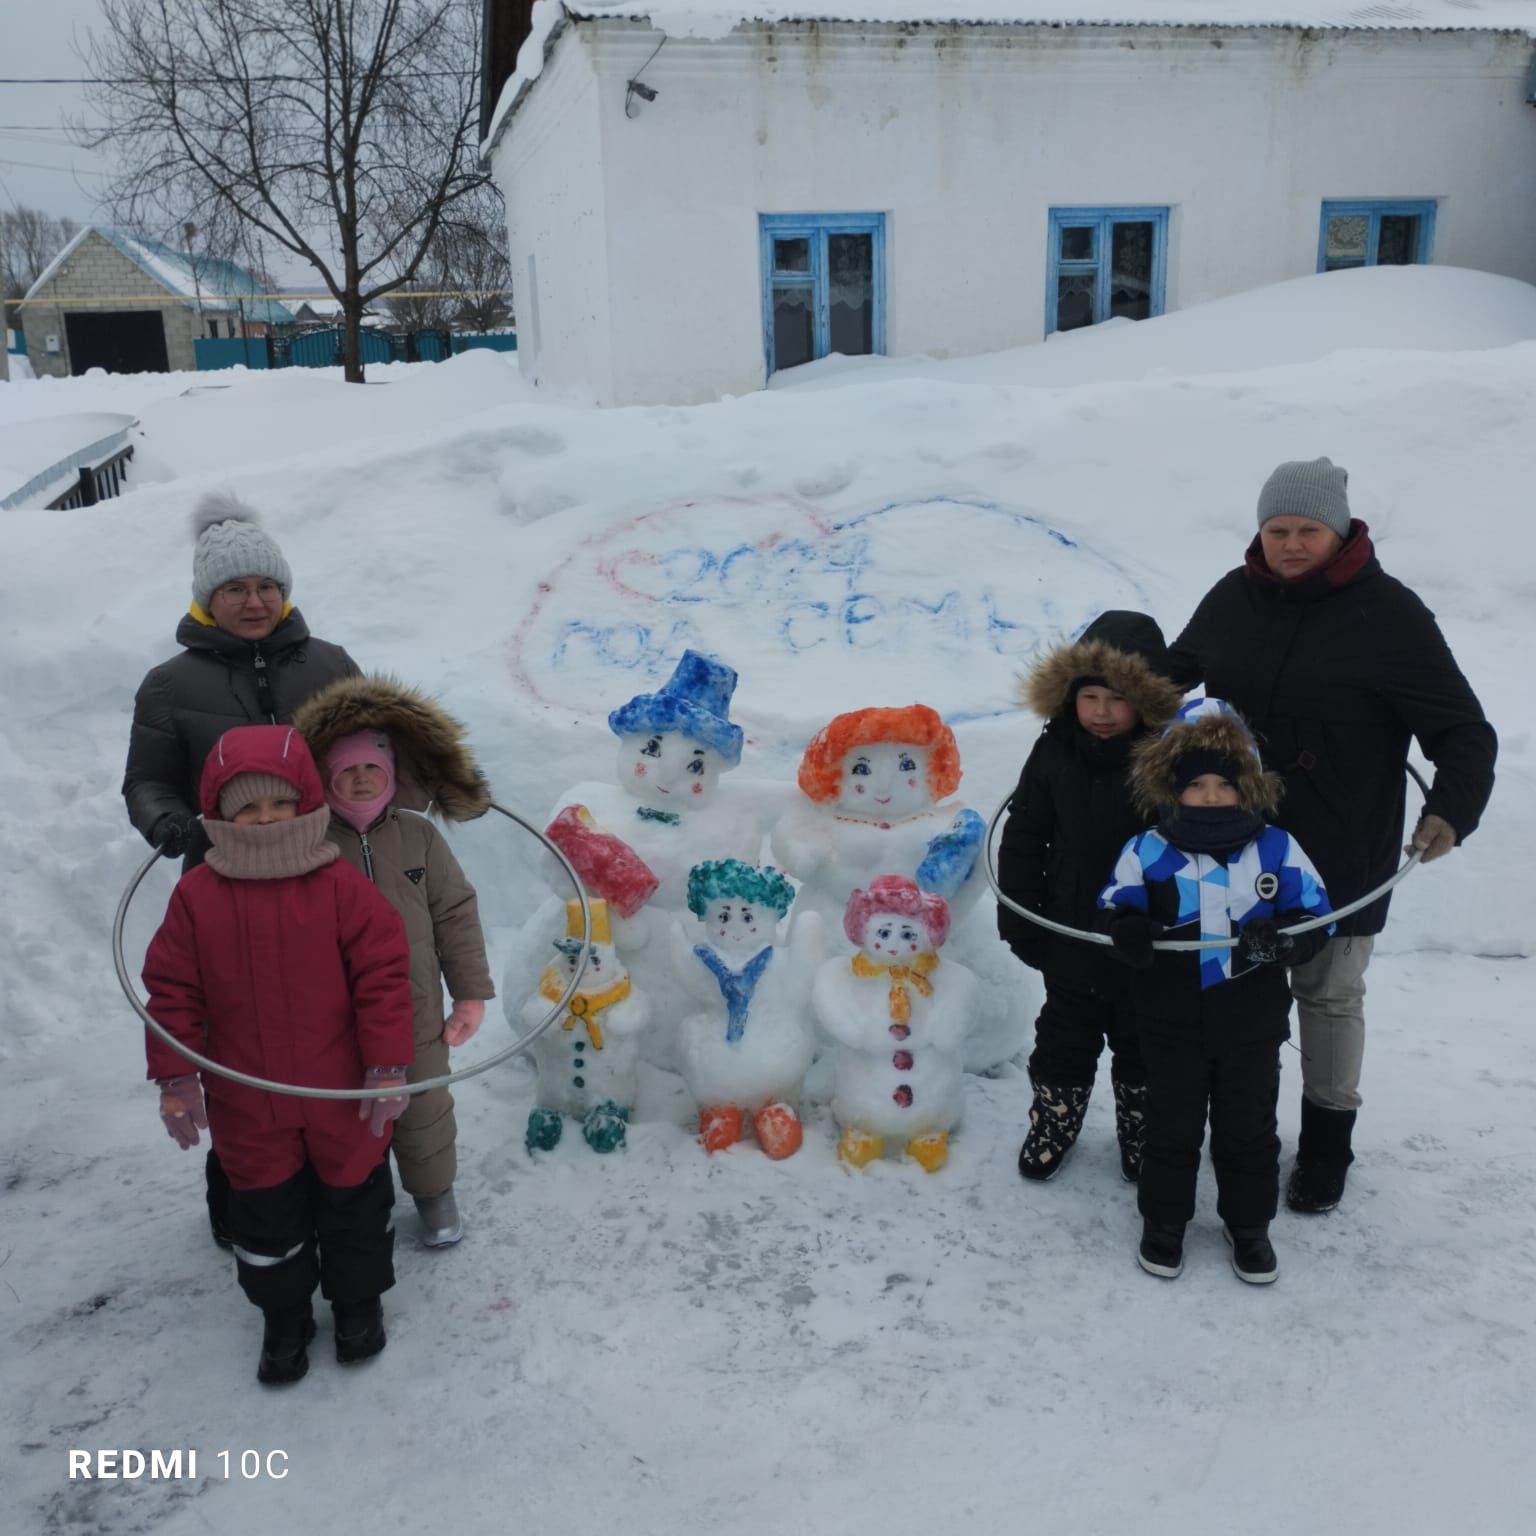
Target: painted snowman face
[890,940]
[886,781]
[733,924]
[666,770]
[604,969]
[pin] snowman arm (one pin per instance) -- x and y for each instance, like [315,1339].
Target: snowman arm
[800,842]
[844,1014]
[628,1017]
[954,1014]
[803,951]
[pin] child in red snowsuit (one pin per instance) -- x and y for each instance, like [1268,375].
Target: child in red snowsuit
[280,961]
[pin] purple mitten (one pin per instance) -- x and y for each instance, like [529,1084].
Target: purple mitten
[381,1112]
[181,1109]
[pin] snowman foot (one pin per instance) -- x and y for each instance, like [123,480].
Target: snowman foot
[604,1126]
[720,1127]
[931,1151]
[859,1147]
[778,1129]
[544,1130]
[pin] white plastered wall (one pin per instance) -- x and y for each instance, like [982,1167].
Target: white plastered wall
[965,137]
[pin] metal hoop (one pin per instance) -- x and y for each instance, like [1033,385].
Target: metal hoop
[1181,944]
[293,1090]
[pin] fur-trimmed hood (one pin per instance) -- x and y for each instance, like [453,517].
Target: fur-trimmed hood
[434,768]
[1210,725]
[1126,650]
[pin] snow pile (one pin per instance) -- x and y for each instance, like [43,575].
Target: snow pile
[681,1343]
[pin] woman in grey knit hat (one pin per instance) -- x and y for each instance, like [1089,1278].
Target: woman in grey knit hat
[247,658]
[1338,667]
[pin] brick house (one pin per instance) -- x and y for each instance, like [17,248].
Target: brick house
[133,305]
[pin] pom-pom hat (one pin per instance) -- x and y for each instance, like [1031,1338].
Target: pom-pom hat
[695,702]
[231,543]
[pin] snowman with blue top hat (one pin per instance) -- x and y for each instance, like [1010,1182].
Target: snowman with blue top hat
[634,837]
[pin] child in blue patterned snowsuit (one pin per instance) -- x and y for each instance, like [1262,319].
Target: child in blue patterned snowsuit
[1211,1022]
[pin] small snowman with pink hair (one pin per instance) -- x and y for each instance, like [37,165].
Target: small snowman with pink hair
[899,1017]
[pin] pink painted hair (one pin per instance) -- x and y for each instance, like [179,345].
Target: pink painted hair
[901,897]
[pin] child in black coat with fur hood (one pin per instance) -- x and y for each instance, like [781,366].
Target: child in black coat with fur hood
[1211,1021]
[1070,817]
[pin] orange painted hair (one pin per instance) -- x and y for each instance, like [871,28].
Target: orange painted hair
[915,725]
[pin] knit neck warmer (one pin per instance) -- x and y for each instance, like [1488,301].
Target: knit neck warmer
[278,851]
[1212,829]
[360,815]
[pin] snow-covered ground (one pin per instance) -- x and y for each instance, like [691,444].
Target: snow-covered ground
[664,1342]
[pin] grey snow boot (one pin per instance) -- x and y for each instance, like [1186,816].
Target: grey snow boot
[440,1223]
[1055,1119]
[1131,1127]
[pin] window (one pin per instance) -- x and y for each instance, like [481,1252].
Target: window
[1375,234]
[823,285]
[1105,262]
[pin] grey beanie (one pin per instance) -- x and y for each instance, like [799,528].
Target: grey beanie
[231,543]
[1312,488]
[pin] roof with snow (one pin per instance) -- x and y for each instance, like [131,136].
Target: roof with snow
[204,281]
[704,18]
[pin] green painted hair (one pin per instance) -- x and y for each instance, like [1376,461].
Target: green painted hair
[717,878]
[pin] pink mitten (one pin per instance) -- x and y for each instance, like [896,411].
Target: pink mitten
[181,1109]
[465,1019]
[381,1112]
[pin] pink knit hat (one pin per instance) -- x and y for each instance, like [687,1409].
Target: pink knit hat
[900,897]
[348,752]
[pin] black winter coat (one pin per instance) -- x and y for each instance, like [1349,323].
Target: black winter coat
[1336,673]
[1071,816]
[184,705]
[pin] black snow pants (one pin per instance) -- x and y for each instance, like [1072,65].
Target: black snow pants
[1071,1032]
[1238,1084]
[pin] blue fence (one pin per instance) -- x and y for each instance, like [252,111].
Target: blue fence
[322,349]
[16,343]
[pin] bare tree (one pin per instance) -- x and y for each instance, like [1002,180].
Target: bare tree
[478,267]
[341,131]
[29,240]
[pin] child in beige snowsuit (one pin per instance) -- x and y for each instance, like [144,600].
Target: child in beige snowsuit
[388,754]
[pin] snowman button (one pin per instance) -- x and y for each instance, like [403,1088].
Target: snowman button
[901,1031]
[579,1082]
[903,1095]
[902,1061]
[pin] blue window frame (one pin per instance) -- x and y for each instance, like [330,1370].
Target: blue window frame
[1375,232]
[1105,262]
[823,285]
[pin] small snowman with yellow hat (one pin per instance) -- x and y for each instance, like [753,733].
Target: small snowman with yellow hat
[589,1061]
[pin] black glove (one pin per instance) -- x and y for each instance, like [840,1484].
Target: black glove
[1262,943]
[1031,943]
[179,833]
[1132,935]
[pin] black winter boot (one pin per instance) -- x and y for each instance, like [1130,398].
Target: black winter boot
[1055,1119]
[1322,1159]
[285,1345]
[359,1330]
[1131,1127]
[1162,1250]
[1253,1259]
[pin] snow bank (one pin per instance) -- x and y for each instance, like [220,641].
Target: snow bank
[682,1344]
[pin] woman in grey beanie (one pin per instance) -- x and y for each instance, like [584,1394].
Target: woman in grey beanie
[1338,667]
[247,658]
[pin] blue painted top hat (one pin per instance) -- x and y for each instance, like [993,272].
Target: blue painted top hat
[695,701]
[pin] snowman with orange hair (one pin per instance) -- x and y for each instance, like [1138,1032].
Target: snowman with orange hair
[899,1017]
[877,798]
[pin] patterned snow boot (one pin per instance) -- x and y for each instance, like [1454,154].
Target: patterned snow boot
[1055,1119]
[1131,1127]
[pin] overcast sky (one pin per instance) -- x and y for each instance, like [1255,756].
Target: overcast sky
[39,165]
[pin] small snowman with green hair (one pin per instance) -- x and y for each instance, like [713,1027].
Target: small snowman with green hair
[745,1053]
